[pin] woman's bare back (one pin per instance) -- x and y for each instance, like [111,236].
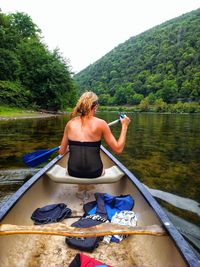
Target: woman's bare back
[85,129]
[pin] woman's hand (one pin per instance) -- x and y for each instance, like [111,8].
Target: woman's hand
[125,121]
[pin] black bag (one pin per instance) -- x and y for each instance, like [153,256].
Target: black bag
[51,213]
[89,243]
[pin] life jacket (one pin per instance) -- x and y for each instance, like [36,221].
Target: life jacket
[97,212]
[113,204]
[82,260]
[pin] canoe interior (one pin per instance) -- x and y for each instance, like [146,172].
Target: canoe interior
[41,250]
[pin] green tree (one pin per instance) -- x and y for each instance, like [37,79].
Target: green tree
[120,96]
[160,105]
[151,98]
[144,105]
[169,91]
[136,99]
[28,68]
[104,99]
[24,25]
[14,94]
[47,75]
[185,89]
[9,65]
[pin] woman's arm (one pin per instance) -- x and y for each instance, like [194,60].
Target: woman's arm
[64,142]
[116,145]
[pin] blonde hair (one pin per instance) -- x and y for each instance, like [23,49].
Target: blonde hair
[85,104]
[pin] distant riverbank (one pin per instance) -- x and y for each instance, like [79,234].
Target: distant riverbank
[36,116]
[12,113]
[158,107]
[8,113]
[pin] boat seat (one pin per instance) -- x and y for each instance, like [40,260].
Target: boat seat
[58,174]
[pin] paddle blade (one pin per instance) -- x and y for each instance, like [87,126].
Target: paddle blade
[37,157]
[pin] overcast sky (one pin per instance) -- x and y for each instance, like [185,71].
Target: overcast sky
[85,30]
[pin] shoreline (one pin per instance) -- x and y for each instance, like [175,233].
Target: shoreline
[34,116]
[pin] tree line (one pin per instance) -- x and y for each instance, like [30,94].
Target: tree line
[31,75]
[161,64]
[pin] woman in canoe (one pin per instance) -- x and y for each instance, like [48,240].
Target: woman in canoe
[83,134]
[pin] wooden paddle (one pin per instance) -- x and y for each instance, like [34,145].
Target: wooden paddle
[62,229]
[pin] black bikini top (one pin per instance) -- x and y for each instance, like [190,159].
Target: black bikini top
[84,159]
[85,143]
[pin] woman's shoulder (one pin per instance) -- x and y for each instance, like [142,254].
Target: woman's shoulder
[95,121]
[73,120]
[101,124]
[71,123]
[99,121]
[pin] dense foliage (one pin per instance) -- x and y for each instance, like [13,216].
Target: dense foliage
[31,75]
[161,64]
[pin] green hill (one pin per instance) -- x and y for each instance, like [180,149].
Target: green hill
[161,63]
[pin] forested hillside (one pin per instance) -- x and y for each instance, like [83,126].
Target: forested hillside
[162,63]
[30,75]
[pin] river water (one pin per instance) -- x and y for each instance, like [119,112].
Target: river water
[162,150]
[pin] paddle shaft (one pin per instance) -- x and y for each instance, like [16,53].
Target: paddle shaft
[33,160]
[113,122]
[62,229]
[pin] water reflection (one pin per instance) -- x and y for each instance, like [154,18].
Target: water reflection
[162,150]
[22,136]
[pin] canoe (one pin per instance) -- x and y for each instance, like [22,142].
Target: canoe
[144,248]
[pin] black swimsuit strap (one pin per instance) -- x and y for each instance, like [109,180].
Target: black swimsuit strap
[90,144]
